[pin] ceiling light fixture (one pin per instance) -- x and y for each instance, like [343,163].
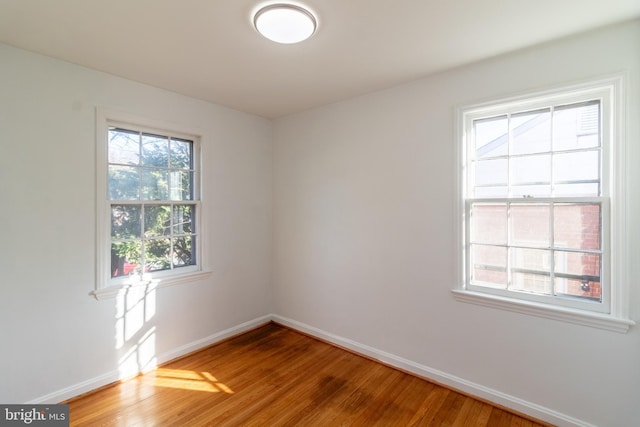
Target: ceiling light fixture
[285,23]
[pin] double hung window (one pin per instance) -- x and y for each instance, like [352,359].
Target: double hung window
[152,203]
[149,218]
[537,193]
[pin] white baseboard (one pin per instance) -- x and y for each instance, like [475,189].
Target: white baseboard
[113,376]
[77,389]
[452,381]
[212,339]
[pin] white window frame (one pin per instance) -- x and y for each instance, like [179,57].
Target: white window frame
[613,313]
[107,287]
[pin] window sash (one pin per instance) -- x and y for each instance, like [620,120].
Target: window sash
[135,162]
[172,236]
[564,300]
[496,157]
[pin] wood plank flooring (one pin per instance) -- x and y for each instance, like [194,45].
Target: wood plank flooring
[273,376]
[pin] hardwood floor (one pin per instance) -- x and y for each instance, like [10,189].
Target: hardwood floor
[273,376]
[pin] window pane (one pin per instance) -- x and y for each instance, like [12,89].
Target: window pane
[181,154]
[489,223]
[155,184]
[578,274]
[530,190]
[124,147]
[157,220]
[525,260]
[578,288]
[157,255]
[531,132]
[530,270]
[183,219]
[491,137]
[181,185]
[530,169]
[125,258]
[125,221]
[528,282]
[155,150]
[488,192]
[491,172]
[583,264]
[530,224]
[576,226]
[124,183]
[489,266]
[583,165]
[576,126]
[577,190]
[182,251]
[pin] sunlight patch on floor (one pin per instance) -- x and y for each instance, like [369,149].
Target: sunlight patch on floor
[186,380]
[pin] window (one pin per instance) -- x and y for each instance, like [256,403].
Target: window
[541,202]
[149,208]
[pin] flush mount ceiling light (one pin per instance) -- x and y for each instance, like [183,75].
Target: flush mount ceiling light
[285,23]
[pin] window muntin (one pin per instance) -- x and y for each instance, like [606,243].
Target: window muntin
[535,202]
[153,202]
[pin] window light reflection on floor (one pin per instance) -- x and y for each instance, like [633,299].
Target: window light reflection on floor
[185,380]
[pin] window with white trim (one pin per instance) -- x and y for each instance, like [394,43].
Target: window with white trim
[541,178]
[149,204]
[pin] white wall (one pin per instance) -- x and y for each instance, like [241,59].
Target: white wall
[363,198]
[364,223]
[56,340]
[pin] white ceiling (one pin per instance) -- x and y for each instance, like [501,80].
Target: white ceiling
[208,49]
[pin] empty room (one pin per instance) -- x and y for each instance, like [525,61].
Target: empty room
[320,212]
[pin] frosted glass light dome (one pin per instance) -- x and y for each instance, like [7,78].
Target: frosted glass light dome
[285,23]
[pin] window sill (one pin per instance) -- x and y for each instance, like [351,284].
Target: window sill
[594,320]
[113,291]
